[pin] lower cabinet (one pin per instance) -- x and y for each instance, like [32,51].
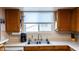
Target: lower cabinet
[47,48]
[2,48]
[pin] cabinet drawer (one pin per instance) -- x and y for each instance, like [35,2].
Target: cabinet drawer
[45,48]
[61,47]
[31,48]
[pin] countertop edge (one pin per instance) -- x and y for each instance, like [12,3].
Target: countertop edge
[71,44]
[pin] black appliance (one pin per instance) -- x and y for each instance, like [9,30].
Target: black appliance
[72,35]
[23,37]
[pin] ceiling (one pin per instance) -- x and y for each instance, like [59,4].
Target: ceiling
[39,8]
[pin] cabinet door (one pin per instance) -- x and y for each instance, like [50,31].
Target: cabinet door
[47,48]
[77,20]
[64,20]
[12,20]
[31,48]
[73,22]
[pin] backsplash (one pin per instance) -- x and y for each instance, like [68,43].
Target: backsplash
[4,35]
[49,35]
[54,36]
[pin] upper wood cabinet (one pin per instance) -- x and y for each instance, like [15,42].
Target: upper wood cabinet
[68,20]
[12,17]
[63,17]
[75,20]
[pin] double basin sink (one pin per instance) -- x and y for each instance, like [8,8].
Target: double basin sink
[38,41]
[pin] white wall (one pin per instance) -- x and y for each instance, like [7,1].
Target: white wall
[2,17]
[2,13]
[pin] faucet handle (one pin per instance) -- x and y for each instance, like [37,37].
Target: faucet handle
[47,41]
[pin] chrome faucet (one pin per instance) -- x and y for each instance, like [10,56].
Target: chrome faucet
[38,36]
[38,41]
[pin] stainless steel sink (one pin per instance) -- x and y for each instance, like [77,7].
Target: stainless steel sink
[38,42]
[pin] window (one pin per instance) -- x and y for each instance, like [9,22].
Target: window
[38,21]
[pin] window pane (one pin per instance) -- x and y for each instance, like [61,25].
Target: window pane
[30,17]
[38,16]
[45,27]
[45,17]
[30,27]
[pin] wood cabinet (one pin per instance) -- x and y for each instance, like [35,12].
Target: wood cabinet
[75,20]
[63,17]
[47,48]
[2,47]
[12,17]
[68,20]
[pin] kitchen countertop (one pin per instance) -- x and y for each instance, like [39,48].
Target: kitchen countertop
[74,45]
[3,41]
